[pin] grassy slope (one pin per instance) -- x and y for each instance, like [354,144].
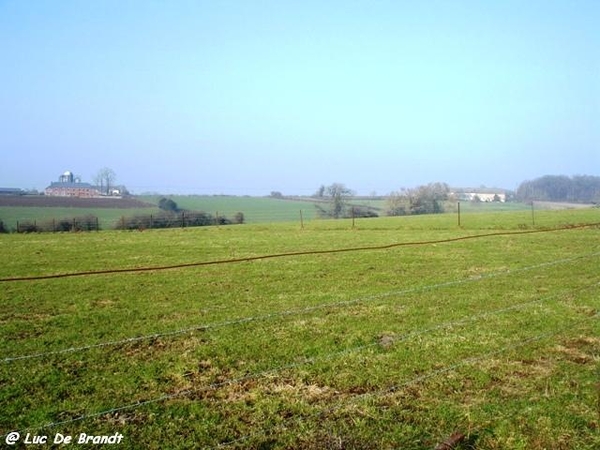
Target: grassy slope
[255,209]
[393,348]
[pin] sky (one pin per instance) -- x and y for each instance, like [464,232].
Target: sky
[249,97]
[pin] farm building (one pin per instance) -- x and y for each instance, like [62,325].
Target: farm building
[11,191]
[69,186]
[483,195]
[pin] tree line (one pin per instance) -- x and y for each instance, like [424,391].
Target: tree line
[426,199]
[431,198]
[561,188]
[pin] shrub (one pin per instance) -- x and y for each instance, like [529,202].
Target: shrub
[362,212]
[239,218]
[27,227]
[166,204]
[81,223]
[170,219]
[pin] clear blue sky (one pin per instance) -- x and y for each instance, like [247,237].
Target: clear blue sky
[246,97]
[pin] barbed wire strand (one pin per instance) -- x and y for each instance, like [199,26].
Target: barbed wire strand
[302,362]
[291,254]
[291,312]
[420,378]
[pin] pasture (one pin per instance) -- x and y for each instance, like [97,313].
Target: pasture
[394,333]
[256,210]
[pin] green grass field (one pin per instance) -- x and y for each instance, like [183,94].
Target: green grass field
[494,337]
[256,210]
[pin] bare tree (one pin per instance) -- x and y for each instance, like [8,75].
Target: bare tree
[427,199]
[398,203]
[105,178]
[337,194]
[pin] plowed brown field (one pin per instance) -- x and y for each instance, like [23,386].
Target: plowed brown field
[72,202]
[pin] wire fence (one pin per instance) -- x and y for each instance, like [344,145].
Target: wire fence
[312,360]
[293,312]
[430,374]
[301,360]
[159,220]
[234,211]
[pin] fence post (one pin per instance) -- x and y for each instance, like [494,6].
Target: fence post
[301,221]
[151,222]
[217,218]
[74,225]
[459,214]
[532,214]
[182,219]
[97,224]
[352,209]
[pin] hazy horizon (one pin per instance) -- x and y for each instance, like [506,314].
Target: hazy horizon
[245,98]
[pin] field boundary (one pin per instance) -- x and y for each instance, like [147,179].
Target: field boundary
[297,253]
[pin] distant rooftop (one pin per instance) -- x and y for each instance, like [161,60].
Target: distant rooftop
[70,184]
[480,190]
[11,191]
